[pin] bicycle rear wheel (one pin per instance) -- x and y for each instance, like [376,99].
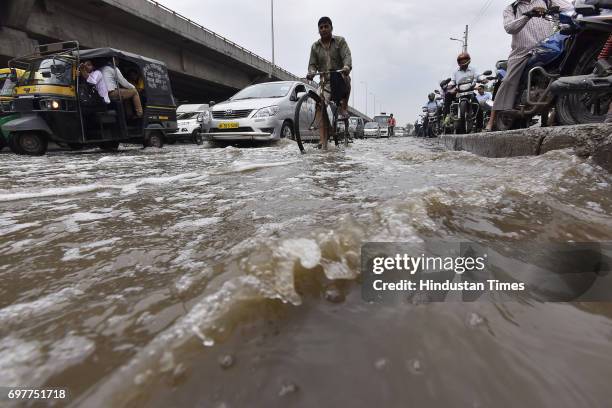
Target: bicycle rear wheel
[307,122]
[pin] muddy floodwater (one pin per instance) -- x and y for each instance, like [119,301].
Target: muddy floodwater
[194,276]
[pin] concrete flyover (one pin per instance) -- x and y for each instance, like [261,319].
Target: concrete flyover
[593,141]
[203,65]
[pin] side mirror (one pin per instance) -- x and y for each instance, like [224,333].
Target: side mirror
[212,103]
[445,82]
[487,72]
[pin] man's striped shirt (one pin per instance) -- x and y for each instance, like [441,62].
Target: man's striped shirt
[527,32]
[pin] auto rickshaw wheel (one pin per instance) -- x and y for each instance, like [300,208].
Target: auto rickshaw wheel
[155,139]
[13,146]
[30,143]
[109,146]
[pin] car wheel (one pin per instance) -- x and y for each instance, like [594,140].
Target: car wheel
[196,137]
[287,131]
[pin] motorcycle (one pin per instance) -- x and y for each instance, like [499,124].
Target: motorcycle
[570,51]
[594,89]
[432,127]
[465,108]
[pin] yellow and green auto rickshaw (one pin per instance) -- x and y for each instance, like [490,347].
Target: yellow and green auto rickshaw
[57,105]
[6,96]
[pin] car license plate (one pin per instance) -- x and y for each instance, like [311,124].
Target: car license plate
[228,125]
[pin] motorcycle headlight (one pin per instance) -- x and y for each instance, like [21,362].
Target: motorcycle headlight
[266,112]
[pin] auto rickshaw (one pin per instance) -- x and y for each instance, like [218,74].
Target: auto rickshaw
[6,96]
[57,104]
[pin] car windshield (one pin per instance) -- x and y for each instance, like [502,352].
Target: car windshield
[354,121]
[188,115]
[382,120]
[267,90]
[371,125]
[51,71]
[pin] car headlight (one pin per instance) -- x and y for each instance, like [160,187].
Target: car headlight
[266,112]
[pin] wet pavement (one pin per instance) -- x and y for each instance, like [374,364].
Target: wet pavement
[229,277]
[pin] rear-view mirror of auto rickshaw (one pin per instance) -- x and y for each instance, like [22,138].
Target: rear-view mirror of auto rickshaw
[57,104]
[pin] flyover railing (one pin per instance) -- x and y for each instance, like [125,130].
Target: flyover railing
[201,27]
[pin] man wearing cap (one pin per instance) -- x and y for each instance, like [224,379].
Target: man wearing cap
[331,53]
[482,96]
[527,30]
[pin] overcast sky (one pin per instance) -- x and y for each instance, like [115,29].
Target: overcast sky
[400,47]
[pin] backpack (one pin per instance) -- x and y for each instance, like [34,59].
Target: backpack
[516,3]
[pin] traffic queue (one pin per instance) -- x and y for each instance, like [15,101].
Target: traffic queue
[562,79]
[78,99]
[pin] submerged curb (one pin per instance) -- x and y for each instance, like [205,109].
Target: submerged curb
[588,141]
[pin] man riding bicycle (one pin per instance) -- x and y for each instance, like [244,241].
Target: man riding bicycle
[331,53]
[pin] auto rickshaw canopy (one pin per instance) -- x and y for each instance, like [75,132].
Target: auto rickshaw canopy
[154,73]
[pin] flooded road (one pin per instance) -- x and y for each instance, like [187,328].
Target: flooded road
[229,277]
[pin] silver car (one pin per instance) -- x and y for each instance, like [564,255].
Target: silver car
[258,113]
[372,129]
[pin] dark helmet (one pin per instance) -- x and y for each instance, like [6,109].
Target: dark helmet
[464,60]
[431,96]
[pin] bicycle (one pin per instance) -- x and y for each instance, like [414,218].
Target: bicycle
[308,121]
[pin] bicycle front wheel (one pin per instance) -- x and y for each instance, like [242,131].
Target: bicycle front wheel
[346,132]
[307,122]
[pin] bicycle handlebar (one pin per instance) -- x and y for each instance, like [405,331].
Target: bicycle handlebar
[326,72]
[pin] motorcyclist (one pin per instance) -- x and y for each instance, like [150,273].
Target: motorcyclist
[432,105]
[527,33]
[482,96]
[464,70]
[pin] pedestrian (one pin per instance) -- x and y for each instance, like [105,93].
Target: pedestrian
[391,125]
